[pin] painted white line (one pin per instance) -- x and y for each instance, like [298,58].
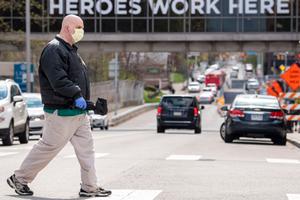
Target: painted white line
[293,196]
[283,161]
[2,154]
[131,195]
[184,157]
[16,148]
[97,155]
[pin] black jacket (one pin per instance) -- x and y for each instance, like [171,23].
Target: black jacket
[63,75]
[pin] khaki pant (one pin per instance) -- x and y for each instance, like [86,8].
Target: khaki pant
[56,134]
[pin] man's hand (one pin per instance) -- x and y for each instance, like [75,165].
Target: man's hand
[80,103]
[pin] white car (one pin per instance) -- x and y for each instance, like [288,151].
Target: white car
[235,68]
[194,87]
[211,87]
[201,78]
[14,120]
[206,98]
[98,121]
[252,84]
[249,68]
[35,112]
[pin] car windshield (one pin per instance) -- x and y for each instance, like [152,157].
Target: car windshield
[34,102]
[256,102]
[177,102]
[3,91]
[194,84]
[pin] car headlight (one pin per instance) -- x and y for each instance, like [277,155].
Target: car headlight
[40,117]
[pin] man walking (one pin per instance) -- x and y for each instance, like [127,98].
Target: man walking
[65,88]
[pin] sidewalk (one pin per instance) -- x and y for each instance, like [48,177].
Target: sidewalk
[294,138]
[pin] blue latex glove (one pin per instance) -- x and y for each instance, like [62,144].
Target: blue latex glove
[80,103]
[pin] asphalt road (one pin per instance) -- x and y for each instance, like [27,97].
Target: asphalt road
[139,164]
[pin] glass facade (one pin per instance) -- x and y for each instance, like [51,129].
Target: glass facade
[12,19]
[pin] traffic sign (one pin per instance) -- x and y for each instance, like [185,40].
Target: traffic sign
[282,68]
[292,77]
[20,75]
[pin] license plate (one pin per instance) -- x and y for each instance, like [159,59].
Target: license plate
[177,114]
[257,117]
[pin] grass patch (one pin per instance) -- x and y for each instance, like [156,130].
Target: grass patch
[151,97]
[177,78]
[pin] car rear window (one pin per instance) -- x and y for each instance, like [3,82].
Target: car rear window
[256,102]
[178,102]
[3,91]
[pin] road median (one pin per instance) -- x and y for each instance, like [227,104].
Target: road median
[131,113]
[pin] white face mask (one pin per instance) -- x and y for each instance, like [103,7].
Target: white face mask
[78,34]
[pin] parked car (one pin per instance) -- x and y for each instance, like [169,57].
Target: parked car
[249,68]
[179,112]
[98,121]
[194,87]
[206,98]
[14,120]
[35,112]
[257,116]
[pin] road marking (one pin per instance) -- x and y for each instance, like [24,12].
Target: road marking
[131,195]
[97,155]
[7,153]
[16,148]
[184,157]
[293,196]
[284,161]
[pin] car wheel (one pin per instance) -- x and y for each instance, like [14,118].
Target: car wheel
[102,128]
[106,127]
[225,136]
[222,131]
[197,130]
[24,136]
[160,129]
[92,128]
[9,140]
[280,140]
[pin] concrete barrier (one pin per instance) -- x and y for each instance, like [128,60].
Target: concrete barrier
[131,113]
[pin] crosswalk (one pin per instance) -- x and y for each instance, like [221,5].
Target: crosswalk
[131,195]
[293,196]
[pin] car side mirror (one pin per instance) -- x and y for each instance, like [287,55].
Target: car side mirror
[202,107]
[17,99]
[224,108]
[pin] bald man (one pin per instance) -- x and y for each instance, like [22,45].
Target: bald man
[65,88]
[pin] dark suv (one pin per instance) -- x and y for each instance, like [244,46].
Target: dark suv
[179,112]
[257,116]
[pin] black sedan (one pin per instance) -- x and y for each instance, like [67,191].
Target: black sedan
[179,112]
[256,116]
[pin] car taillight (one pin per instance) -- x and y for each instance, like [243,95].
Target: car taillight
[277,115]
[2,109]
[159,111]
[236,113]
[196,112]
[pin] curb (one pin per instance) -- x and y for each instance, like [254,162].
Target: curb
[294,142]
[129,114]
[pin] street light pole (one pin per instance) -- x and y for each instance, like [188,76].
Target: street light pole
[28,48]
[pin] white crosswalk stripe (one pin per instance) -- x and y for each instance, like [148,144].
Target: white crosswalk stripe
[293,196]
[184,157]
[282,161]
[131,195]
[97,155]
[2,154]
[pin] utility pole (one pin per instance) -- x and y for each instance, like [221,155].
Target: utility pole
[116,83]
[28,48]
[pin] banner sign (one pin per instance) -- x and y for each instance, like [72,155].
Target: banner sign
[162,7]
